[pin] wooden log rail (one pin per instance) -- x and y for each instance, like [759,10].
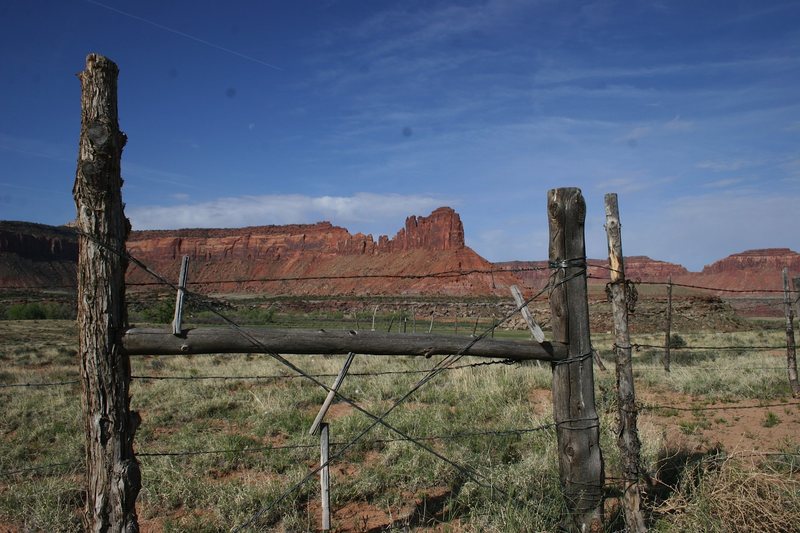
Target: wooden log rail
[154,341]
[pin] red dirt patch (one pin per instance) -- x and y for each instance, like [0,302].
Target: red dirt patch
[363,517]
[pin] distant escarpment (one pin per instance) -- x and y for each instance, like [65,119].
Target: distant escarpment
[36,255]
[323,259]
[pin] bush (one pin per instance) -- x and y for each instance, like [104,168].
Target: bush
[258,315]
[39,311]
[676,341]
[161,312]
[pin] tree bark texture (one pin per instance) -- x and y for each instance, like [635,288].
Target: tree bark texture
[577,424]
[627,434]
[791,350]
[113,477]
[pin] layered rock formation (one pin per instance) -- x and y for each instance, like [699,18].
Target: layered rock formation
[35,255]
[298,259]
[294,259]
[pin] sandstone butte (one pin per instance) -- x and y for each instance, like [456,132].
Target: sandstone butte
[267,259]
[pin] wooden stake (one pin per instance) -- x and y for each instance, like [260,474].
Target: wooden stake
[791,352]
[325,476]
[332,393]
[112,471]
[536,331]
[574,412]
[668,329]
[176,322]
[627,435]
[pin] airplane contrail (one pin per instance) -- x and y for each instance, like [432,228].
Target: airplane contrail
[184,34]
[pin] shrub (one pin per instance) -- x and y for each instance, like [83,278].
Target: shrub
[39,311]
[161,312]
[676,341]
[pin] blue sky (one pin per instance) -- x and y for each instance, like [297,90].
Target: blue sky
[361,113]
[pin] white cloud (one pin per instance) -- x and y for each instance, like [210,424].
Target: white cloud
[367,212]
[722,166]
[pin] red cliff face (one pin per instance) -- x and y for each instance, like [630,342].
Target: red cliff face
[773,259]
[35,255]
[270,256]
[646,269]
[440,231]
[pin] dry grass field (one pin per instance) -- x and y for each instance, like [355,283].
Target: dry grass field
[719,433]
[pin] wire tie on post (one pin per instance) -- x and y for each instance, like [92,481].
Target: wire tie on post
[575,359]
[578,262]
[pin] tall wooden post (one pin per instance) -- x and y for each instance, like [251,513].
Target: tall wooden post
[668,328]
[627,434]
[791,351]
[577,424]
[112,471]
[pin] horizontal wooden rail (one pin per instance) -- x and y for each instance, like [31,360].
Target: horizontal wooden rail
[152,341]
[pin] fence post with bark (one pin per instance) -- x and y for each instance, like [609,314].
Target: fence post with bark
[627,434]
[791,351]
[112,471]
[668,327]
[574,412]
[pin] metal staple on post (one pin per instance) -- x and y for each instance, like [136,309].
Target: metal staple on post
[176,322]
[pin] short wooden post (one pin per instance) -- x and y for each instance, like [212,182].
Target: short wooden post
[332,393]
[627,434]
[325,476]
[668,327]
[374,312]
[536,331]
[574,412]
[112,471]
[433,312]
[791,352]
[176,321]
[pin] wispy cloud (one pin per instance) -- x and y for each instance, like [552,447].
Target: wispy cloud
[722,166]
[36,148]
[366,212]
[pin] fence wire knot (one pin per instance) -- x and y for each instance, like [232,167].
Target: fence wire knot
[578,262]
[574,359]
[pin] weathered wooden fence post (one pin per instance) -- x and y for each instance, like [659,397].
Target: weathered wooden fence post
[112,471]
[791,352]
[627,434]
[668,329]
[577,424]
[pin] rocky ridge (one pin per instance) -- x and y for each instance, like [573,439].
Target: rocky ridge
[270,259]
